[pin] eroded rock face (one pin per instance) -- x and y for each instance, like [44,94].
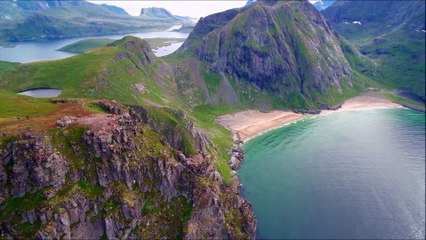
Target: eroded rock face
[237,153]
[136,50]
[121,182]
[30,165]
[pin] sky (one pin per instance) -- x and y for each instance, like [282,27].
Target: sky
[195,9]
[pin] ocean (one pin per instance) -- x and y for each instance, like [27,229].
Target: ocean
[352,174]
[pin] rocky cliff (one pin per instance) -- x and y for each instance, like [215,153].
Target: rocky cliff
[116,177]
[284,47]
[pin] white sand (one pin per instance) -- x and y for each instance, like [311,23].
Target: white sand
[251,123]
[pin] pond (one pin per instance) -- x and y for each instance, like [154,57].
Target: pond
[41,93]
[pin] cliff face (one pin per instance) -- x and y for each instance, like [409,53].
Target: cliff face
[91,180]
[284,47]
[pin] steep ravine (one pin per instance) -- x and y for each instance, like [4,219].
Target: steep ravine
[91,180]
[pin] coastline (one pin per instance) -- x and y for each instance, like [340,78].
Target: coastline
[252,123]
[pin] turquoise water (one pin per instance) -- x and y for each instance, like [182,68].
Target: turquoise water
[358,174]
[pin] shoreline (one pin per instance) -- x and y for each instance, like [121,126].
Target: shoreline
[251,123]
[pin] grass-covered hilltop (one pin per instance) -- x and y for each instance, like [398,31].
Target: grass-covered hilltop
[131,148]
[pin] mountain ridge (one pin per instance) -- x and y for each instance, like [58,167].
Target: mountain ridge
[323,4]
[160,13]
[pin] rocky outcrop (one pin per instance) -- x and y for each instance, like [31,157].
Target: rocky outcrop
[64,122]
[237,153]
[136,50]
[30,165]
[200,139]
[110,106]
[121,182]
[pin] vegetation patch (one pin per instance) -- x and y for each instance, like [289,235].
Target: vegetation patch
[212,80]
[90,190]
[18,205]
[166,219]
[14,106]
[95,108]
[28,230]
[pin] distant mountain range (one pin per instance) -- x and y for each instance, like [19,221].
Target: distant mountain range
[392,33]
[23,20]
[160,13]
[250,2]
[323,4]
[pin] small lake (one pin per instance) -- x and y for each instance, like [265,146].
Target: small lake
[41,93]
[47,50]
[346,175]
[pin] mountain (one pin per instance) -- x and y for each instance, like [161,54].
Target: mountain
[159,13]
[152,175]
[23,20]
[186,27]
[15,10]
[391,33]
[323,4]
[289,51]
[249,2]
[115,9]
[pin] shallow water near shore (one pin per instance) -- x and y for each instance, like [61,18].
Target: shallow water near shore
[350,174]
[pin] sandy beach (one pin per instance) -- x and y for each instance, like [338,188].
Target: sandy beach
[252,122]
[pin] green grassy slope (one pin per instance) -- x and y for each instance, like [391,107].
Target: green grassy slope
[102,73]
[13,106]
